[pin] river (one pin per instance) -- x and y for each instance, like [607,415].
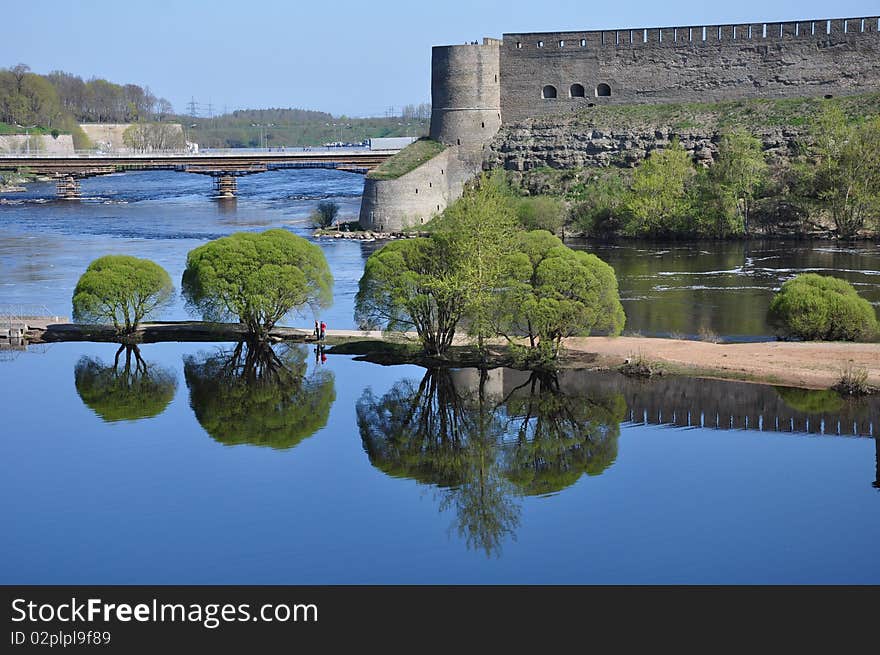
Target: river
[181,463]
[677,289]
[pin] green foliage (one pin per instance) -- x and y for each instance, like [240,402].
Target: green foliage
[475,234]
[540,213]
[430,284]
[412,284]
[549,292]
[124,393]
[659,203]
[811,401]
[739,173]
[255,395]
[484,451]
[325,213]
[846,178]
[816,307]
[258,278]
[411,157]
[120,289]
[603,206]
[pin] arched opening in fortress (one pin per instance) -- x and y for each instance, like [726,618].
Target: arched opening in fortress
[549,92]
[576,91]
[603,90]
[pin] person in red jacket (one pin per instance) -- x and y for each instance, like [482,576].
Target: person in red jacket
[323,329]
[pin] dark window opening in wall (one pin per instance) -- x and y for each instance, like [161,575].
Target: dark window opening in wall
[496,78]
[417,192]
[576,91]
[828,96]
[719,32]
[548,92]
[540,44]
[591,104]
[438,208]
[430,185]
[441,171]
[519,45]
[583,43]
[603,90]
[483,124]
[458,142]
[561,43]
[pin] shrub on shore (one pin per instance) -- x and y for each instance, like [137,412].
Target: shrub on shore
[822,308]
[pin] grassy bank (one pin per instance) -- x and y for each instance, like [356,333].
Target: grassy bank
[411,157]
[751,114]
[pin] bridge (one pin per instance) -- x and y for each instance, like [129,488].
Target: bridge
[224,165]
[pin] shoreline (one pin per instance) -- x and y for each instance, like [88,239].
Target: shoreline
[810,365]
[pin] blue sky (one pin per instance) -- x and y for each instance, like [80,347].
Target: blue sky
[357,58]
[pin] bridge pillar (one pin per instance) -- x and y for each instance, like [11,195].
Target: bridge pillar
[67,188]
[225,186]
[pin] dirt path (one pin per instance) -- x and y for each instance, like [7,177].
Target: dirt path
[816,365]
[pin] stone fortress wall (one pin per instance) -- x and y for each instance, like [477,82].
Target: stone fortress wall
[465,116]
[557,72]
[477,88]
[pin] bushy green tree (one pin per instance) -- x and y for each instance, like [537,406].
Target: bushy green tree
[824,308]
[550,292]
[412,284]
[127,390]
[846,178]
[257,278]
[658,204]
[122,290]
[254,394]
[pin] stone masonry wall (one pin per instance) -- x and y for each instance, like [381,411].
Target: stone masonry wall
[568,144]
[687,64]
[45,144]
[416,197]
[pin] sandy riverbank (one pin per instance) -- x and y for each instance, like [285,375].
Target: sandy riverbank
[811,364]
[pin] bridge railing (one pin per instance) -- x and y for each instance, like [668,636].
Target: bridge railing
[203,153]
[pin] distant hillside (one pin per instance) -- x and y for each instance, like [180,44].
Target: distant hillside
[254,128]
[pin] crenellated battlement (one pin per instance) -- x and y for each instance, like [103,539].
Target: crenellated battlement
[691,34]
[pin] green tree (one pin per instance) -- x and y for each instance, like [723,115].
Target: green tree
[475,233]
[412,284]
[658,204]
[739,172]
[257,278]
[540,213]
[550,292]
[325,213]
[824,308]
[121,289]
[603,209]
[127,392]
[846,178]
[254,394]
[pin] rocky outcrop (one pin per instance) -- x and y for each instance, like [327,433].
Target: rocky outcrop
[567,144]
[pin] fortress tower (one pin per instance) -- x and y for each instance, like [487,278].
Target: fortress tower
[477,87]
[466,93]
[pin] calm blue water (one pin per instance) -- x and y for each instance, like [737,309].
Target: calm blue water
[361,479]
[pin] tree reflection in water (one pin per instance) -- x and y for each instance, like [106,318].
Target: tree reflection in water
[128,390]
[485,450]
[254,394]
